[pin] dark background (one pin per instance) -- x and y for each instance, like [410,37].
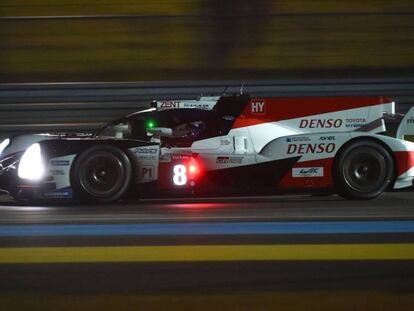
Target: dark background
[127,40]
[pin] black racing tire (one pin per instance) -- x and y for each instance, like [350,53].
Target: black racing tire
[101,174]
[363,170]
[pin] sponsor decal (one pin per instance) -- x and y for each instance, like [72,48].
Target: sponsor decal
[227,160]
[320,123]
[195,105]
[330,138]
[410,120]
[222,160]
[170,104]
[146,150]
[311,148]
[59,194]
[165,158]
[236,160]
[180,157]
[355,122]
[59,162]
[296,139]
[57,172]
[258,107]
[225,142]
[147,157]
[307,172]
[332,123]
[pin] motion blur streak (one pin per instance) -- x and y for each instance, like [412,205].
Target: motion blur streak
[194,229]
[218,300]
[32,255]
[200,206]
[168,40]
[368,267]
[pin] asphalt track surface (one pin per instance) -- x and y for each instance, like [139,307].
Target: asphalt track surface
[289,252]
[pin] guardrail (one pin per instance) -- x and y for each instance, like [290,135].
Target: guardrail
[84,106]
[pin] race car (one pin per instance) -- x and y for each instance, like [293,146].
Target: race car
[357,147]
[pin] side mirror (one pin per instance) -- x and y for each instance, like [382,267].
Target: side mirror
[159,131]
[121,129]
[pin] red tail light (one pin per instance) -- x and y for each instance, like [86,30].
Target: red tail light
[193,169]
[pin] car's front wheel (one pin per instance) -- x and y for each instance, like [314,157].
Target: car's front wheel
[363,170]
[101,174]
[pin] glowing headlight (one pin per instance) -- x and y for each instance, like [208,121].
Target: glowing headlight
[4,144]
[31,165]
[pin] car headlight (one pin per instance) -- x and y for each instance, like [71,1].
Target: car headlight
[31,165]
[4,144]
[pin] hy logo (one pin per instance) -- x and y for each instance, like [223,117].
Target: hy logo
[258,107]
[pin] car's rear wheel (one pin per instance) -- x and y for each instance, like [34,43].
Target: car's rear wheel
[101,174]
[363,170]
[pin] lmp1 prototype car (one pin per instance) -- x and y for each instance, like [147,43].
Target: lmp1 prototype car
[354,146]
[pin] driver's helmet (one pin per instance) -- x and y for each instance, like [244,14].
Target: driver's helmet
[190,130]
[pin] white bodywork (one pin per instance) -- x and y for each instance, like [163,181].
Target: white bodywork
[313,139]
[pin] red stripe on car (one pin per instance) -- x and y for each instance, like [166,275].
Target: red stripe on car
[264,110]
[405,161]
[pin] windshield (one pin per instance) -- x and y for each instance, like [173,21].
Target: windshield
[187,125]
[132,127]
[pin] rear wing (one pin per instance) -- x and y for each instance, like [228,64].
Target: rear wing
[204,102]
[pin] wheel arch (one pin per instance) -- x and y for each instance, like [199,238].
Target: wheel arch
[108,145]
[372,139]
[113,144]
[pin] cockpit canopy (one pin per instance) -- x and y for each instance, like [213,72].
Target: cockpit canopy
[187,125]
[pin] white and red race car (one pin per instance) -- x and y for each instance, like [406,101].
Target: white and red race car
[354,146]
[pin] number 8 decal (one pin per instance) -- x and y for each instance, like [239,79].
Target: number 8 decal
[180,175]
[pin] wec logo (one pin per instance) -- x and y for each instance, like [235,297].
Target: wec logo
[307,172]
[312,170]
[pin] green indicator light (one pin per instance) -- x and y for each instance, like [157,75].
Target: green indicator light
[150,124]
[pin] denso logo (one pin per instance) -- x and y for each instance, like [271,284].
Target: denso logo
[320,123]
[311,148]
